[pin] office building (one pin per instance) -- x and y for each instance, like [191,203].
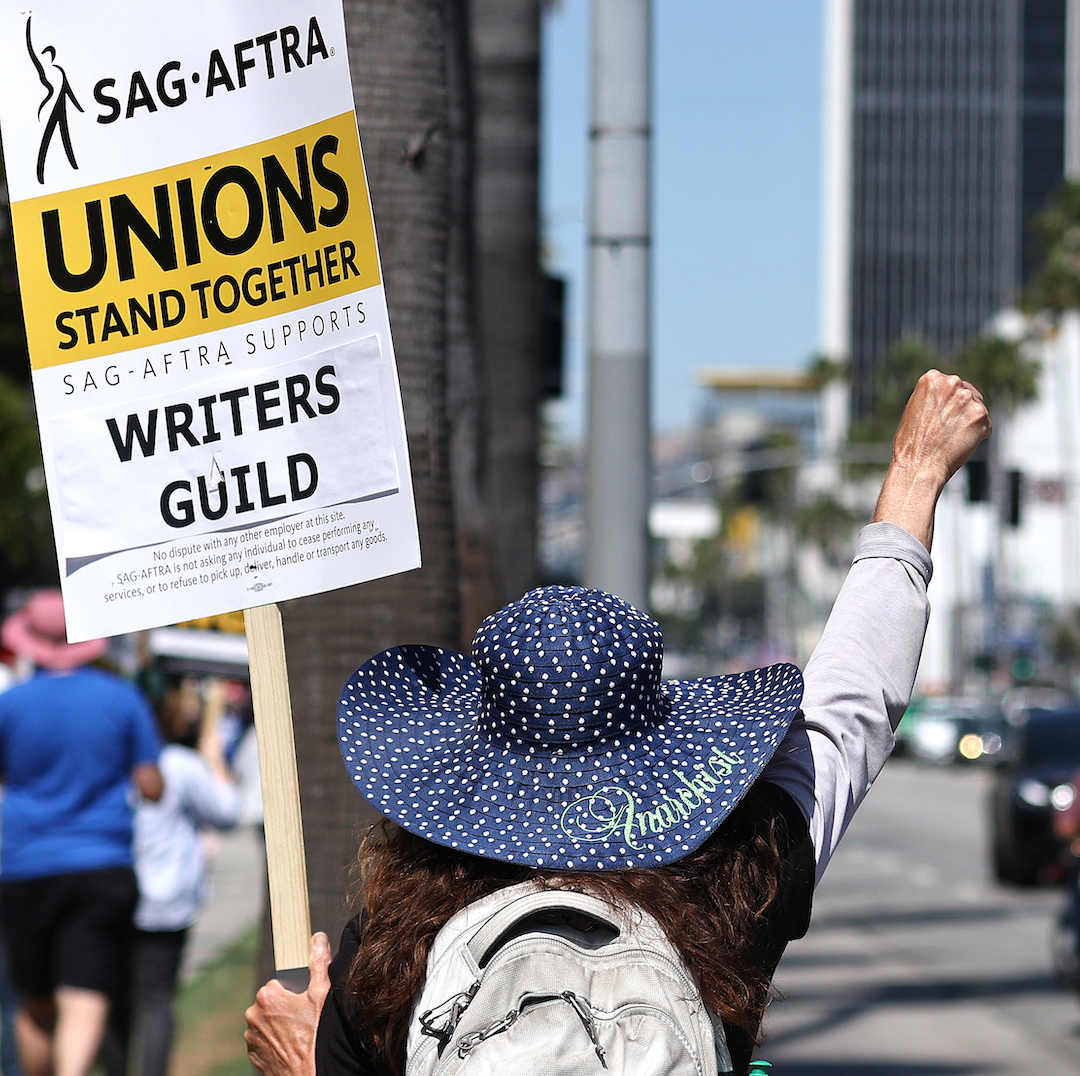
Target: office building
[944,134]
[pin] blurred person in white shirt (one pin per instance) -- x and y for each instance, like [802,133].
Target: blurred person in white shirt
[170,853]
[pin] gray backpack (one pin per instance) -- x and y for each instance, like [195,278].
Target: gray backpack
[531,982]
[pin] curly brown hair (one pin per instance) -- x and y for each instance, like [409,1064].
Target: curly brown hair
[710,904]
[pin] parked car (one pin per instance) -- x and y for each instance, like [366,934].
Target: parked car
[944,730]
[907,725]
[1042,757]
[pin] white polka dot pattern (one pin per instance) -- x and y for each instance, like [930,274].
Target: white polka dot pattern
[556,744]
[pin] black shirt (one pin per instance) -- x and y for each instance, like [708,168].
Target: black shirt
[340,1050]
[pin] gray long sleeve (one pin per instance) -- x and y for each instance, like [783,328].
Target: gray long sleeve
[858,684]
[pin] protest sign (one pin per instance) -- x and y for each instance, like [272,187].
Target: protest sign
[211,356]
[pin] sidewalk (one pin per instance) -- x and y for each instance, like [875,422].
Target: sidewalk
[237,898]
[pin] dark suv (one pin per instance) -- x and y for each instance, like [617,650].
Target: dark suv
[1042,758]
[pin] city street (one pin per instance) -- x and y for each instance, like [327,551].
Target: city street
[917,964]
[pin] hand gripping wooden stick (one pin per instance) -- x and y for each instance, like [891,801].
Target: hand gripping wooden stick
[286,867]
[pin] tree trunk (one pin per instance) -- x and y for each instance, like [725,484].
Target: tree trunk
[458,238]
[408,88]
[479,577]
[494,319]
[505,38]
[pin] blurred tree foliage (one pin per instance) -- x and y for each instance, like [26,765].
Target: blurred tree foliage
[829,525]
[823,370]
[771,468]
[893,382]
[27,556]
[1001,370]
[724,576]
[1055,286]
[1000,367]
[724,570]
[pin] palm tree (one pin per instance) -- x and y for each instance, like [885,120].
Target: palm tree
[505,36]
[410,67]
[446,96]
[893,382]
[494,386]
[1008,378]
[1000,366]
[1055,287]
[1006,375]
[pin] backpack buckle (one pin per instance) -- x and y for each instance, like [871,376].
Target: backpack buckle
[469,1042]
[449,1012]
[580,1006]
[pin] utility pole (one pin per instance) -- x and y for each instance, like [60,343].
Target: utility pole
[618,465]
[835,299]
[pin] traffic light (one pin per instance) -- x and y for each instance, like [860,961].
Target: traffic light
[978,481]
[1014,493]
[552,333]
[755,487]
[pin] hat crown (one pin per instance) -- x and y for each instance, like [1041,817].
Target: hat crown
[38,631]
[45,616]
[567,667]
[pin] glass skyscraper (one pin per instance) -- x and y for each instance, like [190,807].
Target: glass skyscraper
[957,136]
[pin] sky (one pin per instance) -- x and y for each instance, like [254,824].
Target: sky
[735,190]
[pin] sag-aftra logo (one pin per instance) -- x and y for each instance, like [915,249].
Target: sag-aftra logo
[207,240]
[267,56]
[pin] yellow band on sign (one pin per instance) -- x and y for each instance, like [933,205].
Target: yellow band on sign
[197,247]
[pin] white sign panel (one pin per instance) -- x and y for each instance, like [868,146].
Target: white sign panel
[212,363]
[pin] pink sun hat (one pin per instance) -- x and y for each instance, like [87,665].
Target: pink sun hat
[38,632]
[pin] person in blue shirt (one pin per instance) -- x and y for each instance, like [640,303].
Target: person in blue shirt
[75,741]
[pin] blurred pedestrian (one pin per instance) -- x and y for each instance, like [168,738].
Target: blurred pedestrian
[170,854]
[74,741]
[554,757]
[9,1001]
[1065,943]
[244,763]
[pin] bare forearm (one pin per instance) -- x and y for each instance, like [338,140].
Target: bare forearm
[909,499]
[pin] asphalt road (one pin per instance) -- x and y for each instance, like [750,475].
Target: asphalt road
[917,963]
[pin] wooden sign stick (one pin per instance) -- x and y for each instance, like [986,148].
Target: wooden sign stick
[286,866]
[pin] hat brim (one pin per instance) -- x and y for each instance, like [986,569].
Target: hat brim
[18,636]
[410,737]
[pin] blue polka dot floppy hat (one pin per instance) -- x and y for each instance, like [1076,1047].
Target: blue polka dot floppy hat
[556,744]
